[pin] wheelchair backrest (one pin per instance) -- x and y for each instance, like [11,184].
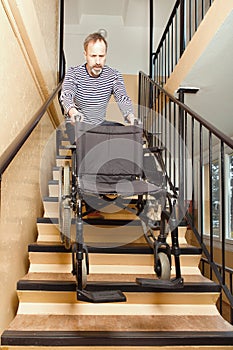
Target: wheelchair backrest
[110,152]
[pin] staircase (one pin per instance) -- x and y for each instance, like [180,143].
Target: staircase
[49,315]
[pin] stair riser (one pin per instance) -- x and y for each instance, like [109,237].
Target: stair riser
[98,234]
[51,207]
[65,303]
[105,263]
[65,152]
[61,162]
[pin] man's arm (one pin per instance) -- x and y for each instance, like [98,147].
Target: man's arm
[123,100]
[67,96]
[68,91]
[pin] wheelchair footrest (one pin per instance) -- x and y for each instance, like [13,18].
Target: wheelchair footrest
[157,283]
[101,296]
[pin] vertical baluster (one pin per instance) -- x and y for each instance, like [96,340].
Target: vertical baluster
[174,147]
[169,137]
[196,15]
[182,29]
[186,163]
[165,130]
[211,199]
[193,175]
[176,39]
[168,54]
[165,60]
[201,182]
[202,9]
[190,19]
[172,45]
[223,209]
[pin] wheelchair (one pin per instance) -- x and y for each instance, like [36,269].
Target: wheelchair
[111,161]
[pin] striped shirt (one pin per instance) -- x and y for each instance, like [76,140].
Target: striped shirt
[90,95]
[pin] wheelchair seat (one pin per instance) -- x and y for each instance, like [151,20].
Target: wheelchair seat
[110,160]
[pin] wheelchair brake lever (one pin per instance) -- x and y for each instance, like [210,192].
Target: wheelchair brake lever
[77,117]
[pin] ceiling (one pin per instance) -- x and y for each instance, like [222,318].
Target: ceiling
[130,12]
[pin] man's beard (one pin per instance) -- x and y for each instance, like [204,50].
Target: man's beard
[96,71]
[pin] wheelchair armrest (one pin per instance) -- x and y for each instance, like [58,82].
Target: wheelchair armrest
[70,147]
[154,149]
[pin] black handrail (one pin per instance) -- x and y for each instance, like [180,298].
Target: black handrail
[62,61]
[189,141]
[226,139]
[10,152]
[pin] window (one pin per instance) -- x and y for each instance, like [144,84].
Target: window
[215,198]
[229,189]
[214,206]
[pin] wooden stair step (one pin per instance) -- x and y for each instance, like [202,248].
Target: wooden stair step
[137,302]
[64,151]
[129,249]
[199,281]
[51,207]
[61,160]
[103,263]
[55,173]
[53,188]
[111,331]
[125,283]
[94,229]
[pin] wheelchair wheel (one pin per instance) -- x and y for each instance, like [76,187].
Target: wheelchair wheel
[66,179]
[64,206]
[75,265]
[84,274]
[67,227]
[163,268]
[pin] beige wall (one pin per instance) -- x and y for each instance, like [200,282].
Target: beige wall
[28,74]
[131,84]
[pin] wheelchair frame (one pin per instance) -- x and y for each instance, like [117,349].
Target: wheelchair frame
[71,202]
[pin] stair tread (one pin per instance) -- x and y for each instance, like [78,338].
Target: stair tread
[131,248]
[51,276]
[113,222]
[63,157]
[102,339]
[124,282]
[121,323]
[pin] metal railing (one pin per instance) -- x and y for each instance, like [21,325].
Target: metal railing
[195,155]
[207,271]
[181,26]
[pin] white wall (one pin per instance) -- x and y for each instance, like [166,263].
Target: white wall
[127,24]
[128,46]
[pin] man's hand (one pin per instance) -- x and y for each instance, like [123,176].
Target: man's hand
[132,119]
[74,115]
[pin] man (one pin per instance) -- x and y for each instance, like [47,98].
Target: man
[87,88]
